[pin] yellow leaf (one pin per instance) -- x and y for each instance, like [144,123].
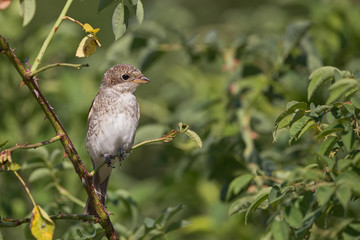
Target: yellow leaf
[41,225]
[11,166]
[88,28]
[87,46]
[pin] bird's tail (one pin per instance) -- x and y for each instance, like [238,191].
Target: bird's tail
[100,190]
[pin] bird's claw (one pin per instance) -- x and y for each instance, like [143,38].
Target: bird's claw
[121,154]
[108,159]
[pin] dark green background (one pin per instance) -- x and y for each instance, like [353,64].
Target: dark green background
[180,47]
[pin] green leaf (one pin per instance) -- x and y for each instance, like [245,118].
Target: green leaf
[276,194]
[339,89]
[3,143]
[240,205]
[167,214]
[350,108]
[318,110]
[177,225]
[139,12]
[104,3]
[293,216]
[284,118]
[28,8]
[308,221]
[292,108]
[280,230]
[350,179]
[344,163]
[297,127]
[298,115]
[327,146]
[194,136]
[40,173]
[330,130]
[11,166]
[140,233]
[324,193]
[149,222]
[348,139]
[260,198]
[41,225]
[118,21]
[305,128]
[355,100]
[150,58]
[343,193]
[238,184]
[318,77]
[294,33]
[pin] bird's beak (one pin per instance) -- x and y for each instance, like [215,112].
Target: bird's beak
[141,80]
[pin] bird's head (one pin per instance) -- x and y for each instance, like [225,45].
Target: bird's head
[124,77]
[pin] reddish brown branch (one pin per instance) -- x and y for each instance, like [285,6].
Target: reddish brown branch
[69,148]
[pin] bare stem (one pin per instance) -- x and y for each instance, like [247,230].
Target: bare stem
[73,20]
[26,188]
[69,148]
[78,66]
[50,36]
[166,138]
[147,142]
[11,222]
[92,173]
[35,145]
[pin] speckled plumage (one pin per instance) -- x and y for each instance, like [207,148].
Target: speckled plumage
[112,121]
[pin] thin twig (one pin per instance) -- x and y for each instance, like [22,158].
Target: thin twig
[11,222]
[73,20]
[166,138]
[36,145]
[69,148]
[50,36]
[26,188]
[78,66]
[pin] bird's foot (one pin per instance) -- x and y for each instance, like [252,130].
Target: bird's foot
[108,158]
[122,155]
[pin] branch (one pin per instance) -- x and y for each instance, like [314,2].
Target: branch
[35,145]
[166,138]
[69,148]
[78,66]
[183,128]
[26,188]
[50,36]
[10,222]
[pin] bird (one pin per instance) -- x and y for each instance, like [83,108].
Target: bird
[111,125]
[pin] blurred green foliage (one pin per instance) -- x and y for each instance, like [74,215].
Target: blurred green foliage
[228,69]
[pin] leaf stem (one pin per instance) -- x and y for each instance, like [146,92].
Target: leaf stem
[50,36]
[11,222]
[166,138]
[73,20]
[36,145]
[69,148]
[26,188]
[92,173]
[78,66]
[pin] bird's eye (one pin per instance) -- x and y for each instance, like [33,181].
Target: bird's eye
[125,77]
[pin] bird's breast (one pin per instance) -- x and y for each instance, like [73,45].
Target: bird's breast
[112,124]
